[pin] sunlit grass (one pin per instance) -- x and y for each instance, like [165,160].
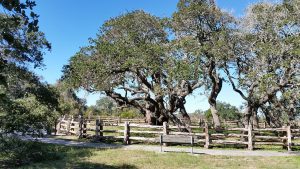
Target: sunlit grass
[119,158]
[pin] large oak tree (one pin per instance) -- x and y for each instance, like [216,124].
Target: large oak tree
[133,61]
[204,32]
[266,60]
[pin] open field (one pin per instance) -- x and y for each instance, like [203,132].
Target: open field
[117,158]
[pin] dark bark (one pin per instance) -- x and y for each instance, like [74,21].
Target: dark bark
[247,115]
[255,122]
[270,118]
[185,117]
[150,117]
[154,109]
[217,83]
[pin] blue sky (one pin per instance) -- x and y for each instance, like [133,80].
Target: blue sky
[69,23]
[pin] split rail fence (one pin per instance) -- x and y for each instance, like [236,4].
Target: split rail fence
[130,131]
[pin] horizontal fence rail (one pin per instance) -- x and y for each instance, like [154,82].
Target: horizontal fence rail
[128,131]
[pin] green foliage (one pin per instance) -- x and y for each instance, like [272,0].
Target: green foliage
[152,64]
[26,104]
[130,113]
[106,106]
[226,112]
[69,103]
[20,39]
[132,60]
[267,60]
[17,152]
[124,44]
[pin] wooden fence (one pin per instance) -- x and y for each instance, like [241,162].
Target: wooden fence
[109,120]
[128,132]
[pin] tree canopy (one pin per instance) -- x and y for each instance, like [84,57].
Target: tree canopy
[132,61]
[26,103]
[153,63]
[265,66]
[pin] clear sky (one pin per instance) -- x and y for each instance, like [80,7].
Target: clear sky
[69,23]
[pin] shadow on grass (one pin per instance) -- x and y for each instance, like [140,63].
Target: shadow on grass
[75,157]
[58,156]
[104,166]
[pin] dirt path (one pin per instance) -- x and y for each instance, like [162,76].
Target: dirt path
[197,151]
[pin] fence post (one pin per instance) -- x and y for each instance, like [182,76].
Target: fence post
[206,136]
[289,137]
[165,130]
[160,141]
[97,128]
[84,129]
[101,128]
[69,125]
[80,126]
[192,144]
[58,126]
[126,132]
[119,120]
[250,137]
[200,122]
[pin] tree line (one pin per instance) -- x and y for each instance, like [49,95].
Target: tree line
[153,63]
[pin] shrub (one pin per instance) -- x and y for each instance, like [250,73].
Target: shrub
[15,152]
[130,113]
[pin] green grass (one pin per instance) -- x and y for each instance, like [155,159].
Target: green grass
[118,158]
[217,146]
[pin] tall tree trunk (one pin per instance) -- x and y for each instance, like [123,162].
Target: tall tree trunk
[217,83]
[255,121]
[215,115]
[150,119]
[250,115]
[268,118]
[149,114]
[186,120]
[271,120]
[247,115]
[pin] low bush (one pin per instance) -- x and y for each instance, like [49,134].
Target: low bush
[16,152]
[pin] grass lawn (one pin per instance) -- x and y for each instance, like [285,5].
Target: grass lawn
[118,158]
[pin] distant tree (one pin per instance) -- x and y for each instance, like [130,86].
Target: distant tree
[106,105]
[91,111]
[130,113]
[69,103]
[198,116]
[226,111]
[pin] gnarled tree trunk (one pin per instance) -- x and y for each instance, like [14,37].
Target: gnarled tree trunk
[217,83]
[215,115]
[247,115]
[255,122]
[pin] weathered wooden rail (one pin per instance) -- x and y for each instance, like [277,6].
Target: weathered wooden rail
[127,132]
